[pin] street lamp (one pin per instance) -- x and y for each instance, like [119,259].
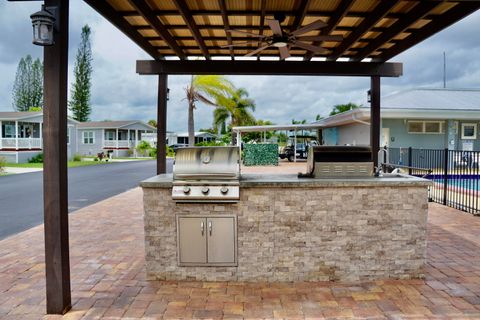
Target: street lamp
[43,22]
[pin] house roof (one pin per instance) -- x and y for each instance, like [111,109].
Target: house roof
[433,99]
[422,103]
[111,124]
[14,115]
[369,28]
[197,134]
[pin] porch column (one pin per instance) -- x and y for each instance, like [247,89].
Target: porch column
[239,139]
[375,117]
[41,135]
[162,124]
[55,194]
[1,136]
[117,139]
[16,135]
[128,137]
[295,146]
[103,138]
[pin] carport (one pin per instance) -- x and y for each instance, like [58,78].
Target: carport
[175,32]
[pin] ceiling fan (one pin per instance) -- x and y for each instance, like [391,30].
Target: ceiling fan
[283,41]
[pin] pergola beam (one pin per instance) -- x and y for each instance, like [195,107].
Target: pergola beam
[334,20]
[111,15]
[145,10]
[416,13]
[226,25]
[380,11]
[280,68]
[460,11]
[187,16]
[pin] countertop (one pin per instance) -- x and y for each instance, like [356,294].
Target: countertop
[291,180]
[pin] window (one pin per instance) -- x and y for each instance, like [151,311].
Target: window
[110,135]
[88,137]
[415,127]
[431,127]
[469,131]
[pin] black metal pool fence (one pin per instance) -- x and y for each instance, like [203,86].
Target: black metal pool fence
[455,174]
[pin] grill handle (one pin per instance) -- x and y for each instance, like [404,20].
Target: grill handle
[210,227]
[202,228]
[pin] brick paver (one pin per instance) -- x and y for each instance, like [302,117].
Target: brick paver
[108,278]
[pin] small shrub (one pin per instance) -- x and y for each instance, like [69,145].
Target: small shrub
[95,159]
[152,152]
[77,157]
[129,152]
[170,152]
[36,159]
[143,147]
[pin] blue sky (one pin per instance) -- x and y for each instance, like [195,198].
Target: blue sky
[118,93]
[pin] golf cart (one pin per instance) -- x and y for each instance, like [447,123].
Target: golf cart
[303,143]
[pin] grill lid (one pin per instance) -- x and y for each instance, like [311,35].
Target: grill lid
[207,163]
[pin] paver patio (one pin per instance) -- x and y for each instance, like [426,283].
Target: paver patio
[108,278]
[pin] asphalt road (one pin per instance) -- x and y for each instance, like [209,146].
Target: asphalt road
[21,195]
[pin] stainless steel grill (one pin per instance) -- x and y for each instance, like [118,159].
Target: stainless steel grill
[339,161]
[206,174]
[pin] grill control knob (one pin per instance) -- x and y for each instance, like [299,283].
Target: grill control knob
[186,190]
[224,190]
[205,190]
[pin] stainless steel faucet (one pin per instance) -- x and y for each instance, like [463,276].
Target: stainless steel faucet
[382,151]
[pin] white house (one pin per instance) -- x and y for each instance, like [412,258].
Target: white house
[21,136]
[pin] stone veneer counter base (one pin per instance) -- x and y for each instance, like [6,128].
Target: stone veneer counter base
[292,229]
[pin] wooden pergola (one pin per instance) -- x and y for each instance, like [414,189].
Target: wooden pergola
[187,37]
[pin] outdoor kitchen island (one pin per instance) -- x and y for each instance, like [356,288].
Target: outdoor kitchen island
[285,228]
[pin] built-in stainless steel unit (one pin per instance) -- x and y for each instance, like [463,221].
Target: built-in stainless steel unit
[339,161]
[206,174]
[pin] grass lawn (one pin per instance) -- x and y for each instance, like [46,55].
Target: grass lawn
[71,164]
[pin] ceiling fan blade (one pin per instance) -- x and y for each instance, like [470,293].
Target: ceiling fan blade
[320,38]
[275,26]
[309,27]
[254,52]
[284,53]
[309,47]
[238,44]
[247,33]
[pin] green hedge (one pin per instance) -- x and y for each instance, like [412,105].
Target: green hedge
[260,154]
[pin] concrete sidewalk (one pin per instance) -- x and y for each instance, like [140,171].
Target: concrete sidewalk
[108,277]
[14,170]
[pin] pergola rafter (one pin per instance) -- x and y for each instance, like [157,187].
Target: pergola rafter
[145,11]
[187,16]
[380,11]
[223,9]
[416,13]
[334,20]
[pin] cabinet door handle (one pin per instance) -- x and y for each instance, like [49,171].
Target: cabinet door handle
[210,227]
[202,227]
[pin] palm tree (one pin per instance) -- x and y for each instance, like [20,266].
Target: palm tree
[207,89]
[237,108]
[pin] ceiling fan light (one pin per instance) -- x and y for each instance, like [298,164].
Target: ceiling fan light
[280,44]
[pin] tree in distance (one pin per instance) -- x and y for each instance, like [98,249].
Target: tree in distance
[80,91]
[28,85]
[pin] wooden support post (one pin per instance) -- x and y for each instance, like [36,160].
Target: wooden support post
[375,117]
[55,194]
[162,124]
[16,135]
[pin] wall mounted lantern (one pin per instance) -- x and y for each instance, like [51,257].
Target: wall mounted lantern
[43,23]
[369,96]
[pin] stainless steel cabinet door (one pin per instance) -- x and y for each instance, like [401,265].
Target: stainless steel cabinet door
[192,233]
[221,240]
